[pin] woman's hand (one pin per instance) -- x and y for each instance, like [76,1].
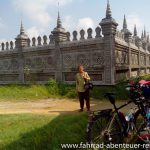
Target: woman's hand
[86,76]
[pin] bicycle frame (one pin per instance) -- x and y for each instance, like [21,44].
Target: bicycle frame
[122,123]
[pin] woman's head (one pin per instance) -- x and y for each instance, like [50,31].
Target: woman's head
[81,68]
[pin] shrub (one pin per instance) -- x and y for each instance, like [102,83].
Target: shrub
[71,93]
[53,87]
[62,88]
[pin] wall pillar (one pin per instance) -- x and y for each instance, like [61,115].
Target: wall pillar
[58,60]
[109,27]
[21,42]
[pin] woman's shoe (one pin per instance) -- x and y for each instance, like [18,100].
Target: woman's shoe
[81,110]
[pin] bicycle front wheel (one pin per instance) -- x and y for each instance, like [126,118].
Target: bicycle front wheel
[104,129]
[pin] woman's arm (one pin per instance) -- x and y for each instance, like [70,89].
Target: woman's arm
[77,82]
[86,76]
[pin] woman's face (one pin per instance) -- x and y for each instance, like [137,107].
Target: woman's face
[81,69]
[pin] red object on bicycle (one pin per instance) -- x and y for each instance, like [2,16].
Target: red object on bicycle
[144,82]
[144,136]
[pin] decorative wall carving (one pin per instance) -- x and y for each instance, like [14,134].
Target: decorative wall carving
[50,60]
[96,76]
[68,61]
[39,62]
[134,59]
[5,64]
[69,76]
[121,57]
[142,60]
[28,62]
[98,59]
[83,59]
[14,64]
[9,64]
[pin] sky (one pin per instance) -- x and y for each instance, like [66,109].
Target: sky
[39,16]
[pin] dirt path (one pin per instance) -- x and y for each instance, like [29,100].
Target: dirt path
[52,106]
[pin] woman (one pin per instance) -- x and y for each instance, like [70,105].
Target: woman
[81,78]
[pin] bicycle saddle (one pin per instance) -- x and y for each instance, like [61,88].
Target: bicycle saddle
[109,94]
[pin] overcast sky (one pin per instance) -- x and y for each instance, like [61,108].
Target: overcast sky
[39,16]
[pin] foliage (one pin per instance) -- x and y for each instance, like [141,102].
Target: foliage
[53,87]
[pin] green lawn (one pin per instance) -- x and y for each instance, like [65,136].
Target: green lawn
[41,132]
[18,92]
[38,92]
[60,90]
[46,132]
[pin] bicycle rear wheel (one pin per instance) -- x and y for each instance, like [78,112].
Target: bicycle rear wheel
[98,131]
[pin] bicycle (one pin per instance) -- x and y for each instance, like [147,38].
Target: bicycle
[143,103]
[109,125]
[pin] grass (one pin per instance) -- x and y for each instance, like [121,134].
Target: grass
[54,90]
[22,92]
[47,132]
[60,90]
[41,132]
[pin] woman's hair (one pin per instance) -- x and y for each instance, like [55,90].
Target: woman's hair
[80,65]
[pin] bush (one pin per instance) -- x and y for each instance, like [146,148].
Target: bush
[68,91]
[71,93]
[121,92]
[146,77]
[99,91]
[62,88]
[53,87]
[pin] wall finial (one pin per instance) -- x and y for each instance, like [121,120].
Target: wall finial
[144,33]
[22,28]
[124,23]
[142,36]
[135,30]
[59,23]
[148,38]
[108,10]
